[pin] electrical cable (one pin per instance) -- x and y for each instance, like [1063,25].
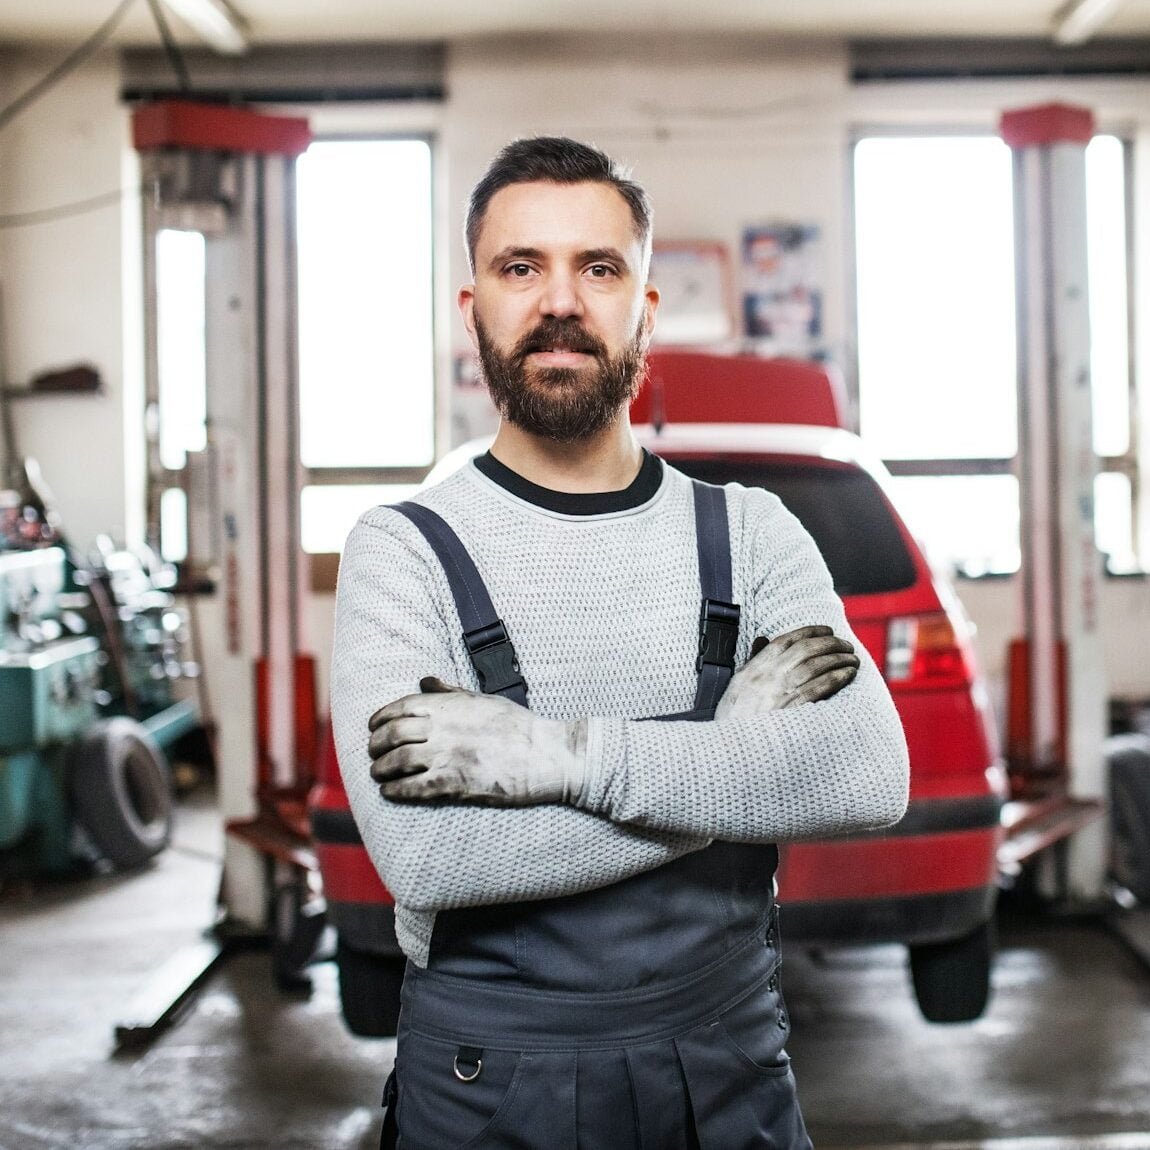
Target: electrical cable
[171,48]
[92,203]
[66,211]
[71,61]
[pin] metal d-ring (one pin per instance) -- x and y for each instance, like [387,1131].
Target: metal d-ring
[467,1077]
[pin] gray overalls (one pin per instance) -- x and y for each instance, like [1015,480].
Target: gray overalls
[646,1015]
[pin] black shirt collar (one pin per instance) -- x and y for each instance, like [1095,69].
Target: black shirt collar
[638,492]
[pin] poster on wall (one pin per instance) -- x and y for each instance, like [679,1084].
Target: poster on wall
[783,288]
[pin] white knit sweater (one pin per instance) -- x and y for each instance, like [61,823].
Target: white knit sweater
[603,612]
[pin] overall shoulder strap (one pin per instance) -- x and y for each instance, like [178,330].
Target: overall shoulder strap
[486,638]
[718,617]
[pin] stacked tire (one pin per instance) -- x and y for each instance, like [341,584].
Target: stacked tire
[121,791]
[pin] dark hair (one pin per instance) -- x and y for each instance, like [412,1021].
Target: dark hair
[557,160]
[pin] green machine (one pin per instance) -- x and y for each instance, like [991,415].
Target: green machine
[88,709]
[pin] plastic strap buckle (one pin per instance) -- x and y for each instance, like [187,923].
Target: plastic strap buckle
[718,634]
[494,658]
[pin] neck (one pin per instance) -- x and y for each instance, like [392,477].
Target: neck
[608,461]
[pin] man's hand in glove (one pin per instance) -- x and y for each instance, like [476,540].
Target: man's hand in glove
[802,666]
[447,743]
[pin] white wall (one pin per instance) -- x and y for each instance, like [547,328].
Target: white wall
[724,132]
[62,285]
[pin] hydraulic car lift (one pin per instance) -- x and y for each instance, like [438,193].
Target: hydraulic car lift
[1057,694]
[229,173]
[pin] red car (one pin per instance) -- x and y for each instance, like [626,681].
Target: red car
[931,881]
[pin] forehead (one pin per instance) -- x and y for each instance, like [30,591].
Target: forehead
[550,216]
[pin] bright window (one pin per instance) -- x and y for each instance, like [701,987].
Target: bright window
[967,523]
[936,297]
[1109,324]
[182,379]
[330,512]
[937,363]
[181,376]
[366,340]
[365,328]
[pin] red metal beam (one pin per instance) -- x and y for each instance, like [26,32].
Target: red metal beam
[1047,124]
[217,128]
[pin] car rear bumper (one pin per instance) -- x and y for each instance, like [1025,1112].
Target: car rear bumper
[941,844]
[909,919]
[931,877]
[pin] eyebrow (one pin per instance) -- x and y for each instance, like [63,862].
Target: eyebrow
[514,253]
[588,256]
[597,255]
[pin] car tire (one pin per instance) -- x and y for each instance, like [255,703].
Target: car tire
[369,986]
[121,791]
[952,978]
[1128,759]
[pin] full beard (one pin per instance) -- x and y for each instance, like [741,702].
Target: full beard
[566,404]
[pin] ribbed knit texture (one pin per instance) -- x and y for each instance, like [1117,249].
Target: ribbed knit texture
[603,611]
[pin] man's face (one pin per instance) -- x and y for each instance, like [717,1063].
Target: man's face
[559,312]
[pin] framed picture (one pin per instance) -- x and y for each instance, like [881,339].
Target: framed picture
[696,298]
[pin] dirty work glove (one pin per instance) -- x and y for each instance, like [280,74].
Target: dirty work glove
[802,666]
[448,743]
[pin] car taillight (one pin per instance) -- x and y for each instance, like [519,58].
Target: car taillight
[925,651]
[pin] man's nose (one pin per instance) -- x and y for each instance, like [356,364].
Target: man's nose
[561,296]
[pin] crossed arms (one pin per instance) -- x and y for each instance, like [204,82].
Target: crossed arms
[626,796]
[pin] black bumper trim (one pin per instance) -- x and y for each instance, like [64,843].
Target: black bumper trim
[941,816]
[909,919]
[366,926]
[335,828]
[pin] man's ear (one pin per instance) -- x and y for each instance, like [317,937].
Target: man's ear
[650,307]
[466,302]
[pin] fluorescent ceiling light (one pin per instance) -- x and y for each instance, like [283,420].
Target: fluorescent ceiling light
[1078,21]
[213,21]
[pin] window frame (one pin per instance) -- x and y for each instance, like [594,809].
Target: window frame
[1126,463]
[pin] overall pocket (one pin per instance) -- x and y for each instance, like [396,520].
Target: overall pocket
[450,1096]
[513,1101]
[757,1028]
[739,1077]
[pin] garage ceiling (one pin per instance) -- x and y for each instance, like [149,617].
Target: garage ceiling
[328,21]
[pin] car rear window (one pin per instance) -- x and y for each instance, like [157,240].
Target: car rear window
[842,508]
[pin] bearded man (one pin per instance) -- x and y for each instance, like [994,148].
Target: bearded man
[570,790]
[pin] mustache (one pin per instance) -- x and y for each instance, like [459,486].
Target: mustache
[566,333]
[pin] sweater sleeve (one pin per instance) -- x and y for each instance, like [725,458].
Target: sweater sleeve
[395,623]
[809,771]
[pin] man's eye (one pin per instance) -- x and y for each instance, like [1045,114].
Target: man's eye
[519,270]
[601,271]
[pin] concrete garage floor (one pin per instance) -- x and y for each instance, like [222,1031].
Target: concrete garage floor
[1062,1058]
